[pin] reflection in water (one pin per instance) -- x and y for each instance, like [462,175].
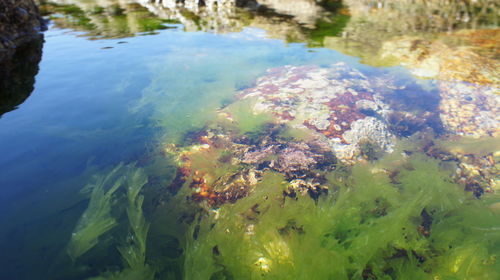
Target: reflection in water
[297,21]
[371,22]
[367,29]
[374,22]
[18,75]
[391,17]
[112,20]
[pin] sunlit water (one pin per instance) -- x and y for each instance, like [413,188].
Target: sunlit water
[99,103]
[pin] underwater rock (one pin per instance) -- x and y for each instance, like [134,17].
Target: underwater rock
[337,104]
[259,155]
[478,174]
[368,129]
[470,109]
[227,188]
[339,115]
[469,84]
[405,124]
[287,157]
[228,166]
[295,157]
[476,161]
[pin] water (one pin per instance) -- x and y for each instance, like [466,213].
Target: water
[162,95]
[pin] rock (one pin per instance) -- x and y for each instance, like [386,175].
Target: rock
[22,15]
[327,101]
[345,116]
[434,59]
[475,168]
[295,157]
[470,109]
[469,84]
[17,75]
[20,23]
[368,129]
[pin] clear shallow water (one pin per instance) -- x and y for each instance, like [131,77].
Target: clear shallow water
[130,93]
[94,107]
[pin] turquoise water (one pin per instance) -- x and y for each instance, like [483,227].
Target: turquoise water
[99,103]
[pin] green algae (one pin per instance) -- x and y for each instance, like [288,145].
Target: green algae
[97,218]
[244,116]
[133,252]
[414,224]
[469,145]
[295,133]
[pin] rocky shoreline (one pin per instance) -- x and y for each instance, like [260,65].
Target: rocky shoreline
[20,23]
[21,45]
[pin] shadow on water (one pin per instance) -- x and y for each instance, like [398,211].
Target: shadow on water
[18,75]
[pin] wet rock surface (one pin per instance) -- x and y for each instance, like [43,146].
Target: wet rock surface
[20,22]
[20,51]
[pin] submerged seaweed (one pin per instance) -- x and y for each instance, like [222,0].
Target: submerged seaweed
[134,253]
[415,225]
[97,219]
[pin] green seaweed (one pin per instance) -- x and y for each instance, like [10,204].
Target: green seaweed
[414,224]
[245,118]
[133,251]
[97,219]
[467,145]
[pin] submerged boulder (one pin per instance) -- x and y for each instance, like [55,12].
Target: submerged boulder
[338,105]
[320,118]
[470,109]
[469,83]
[476,161]
[228,166]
